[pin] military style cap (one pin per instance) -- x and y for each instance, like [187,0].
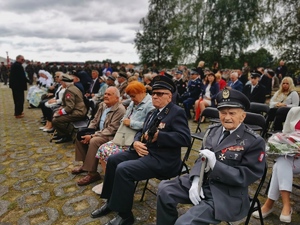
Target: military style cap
[169,75]
[122,74]
[179,72]
[67,78]
[163,82]
[194,71]
[111,78]
[232,99]
[254,75]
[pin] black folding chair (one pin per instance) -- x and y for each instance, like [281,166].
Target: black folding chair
[77,125]
[255,203]
[183,170]
[259,108]
[255,121]
[275,115]
[210,113]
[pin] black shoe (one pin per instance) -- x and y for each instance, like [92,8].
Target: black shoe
[104,210]
[57,137]
[50,131]
[63,140]
[118,220]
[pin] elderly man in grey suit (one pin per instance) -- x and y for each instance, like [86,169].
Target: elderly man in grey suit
[235,159]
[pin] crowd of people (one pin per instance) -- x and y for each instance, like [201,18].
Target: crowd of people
[140,122]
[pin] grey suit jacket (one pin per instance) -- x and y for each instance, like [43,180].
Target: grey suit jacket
[241,164]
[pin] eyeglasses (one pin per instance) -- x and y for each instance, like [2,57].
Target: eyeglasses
[159,94]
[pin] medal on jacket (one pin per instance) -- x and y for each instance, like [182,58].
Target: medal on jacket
[222,156]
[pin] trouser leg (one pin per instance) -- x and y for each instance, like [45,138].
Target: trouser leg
[169,194]
[18,96]
[91,162]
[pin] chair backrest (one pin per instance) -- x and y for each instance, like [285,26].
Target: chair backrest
[210,113]
[260,108]
[257,120]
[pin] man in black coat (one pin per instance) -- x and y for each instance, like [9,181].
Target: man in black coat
[156,155]
[18,84]
[254,91]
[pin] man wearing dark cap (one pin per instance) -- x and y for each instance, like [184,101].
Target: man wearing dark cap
[254,91]
[180,84]
[154,153]
[192,93]
[72,109]
[235,159]
[110,81]
[122,80]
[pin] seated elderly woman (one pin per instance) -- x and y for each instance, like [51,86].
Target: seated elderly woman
[136,112]
[282,175]
[35,92]
[50,106]
[287,97]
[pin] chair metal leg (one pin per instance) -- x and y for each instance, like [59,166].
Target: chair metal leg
[144,190]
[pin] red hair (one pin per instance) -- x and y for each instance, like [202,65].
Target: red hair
[135,87]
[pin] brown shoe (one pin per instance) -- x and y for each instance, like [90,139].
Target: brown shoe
[19,116]
[88,179]
[78,170]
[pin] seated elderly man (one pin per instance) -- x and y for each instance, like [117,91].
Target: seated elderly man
[152,154]
[234,82]
[105,125]
[235,159]
[72,109]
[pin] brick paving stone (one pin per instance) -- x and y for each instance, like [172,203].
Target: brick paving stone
[44,197]
[3,190]
[64,176]
[52,216]
[24,163]
[68,189]
[46,150]
[21,154]
[2,178]
[35,182]
[70,207]
[3,158]
[55,166]
[50,158]
[3,207]
[28,172]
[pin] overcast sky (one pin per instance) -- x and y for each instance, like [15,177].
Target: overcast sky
[71,30]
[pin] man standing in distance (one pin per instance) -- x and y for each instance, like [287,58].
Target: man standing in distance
[18,84]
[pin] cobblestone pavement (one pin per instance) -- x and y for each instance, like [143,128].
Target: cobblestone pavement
[36,186]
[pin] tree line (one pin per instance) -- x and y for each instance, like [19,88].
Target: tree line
[186,31]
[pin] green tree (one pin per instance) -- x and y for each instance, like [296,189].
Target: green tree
[218,27]
[283,28]
[156,42]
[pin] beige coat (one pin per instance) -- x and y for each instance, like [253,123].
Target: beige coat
[112,121]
